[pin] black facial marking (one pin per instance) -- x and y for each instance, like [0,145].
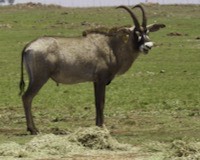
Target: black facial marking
[140,37]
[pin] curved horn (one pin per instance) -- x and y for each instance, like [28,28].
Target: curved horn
[144,18]
[135,20]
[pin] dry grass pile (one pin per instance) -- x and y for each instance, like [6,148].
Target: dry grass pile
[177,150]
[185,150]
[97,138]
[11,149]
[83,141]
[95,142]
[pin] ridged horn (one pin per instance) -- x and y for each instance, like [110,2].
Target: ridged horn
[144,18]
[135,20]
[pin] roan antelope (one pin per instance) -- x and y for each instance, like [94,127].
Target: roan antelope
[98,57]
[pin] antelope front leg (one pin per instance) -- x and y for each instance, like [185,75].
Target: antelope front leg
[99,90]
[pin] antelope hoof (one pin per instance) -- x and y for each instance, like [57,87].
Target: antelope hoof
[33,131]
[99,125]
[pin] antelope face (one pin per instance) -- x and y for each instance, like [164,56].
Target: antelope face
[141,39]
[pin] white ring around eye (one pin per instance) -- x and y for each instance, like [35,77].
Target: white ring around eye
[139,38]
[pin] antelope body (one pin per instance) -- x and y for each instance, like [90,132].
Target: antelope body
[96,57]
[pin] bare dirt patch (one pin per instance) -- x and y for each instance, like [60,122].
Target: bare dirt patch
[176,34]
[31,5]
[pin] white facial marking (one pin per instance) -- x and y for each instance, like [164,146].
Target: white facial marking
[141,48]
[139,38]
[149,44]
[146,37]
[146,47]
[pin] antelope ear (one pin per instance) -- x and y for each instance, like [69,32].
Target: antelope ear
[155,27]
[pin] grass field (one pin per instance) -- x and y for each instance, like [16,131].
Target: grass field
[157,100]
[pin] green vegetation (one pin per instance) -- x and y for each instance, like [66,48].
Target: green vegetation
[158,99]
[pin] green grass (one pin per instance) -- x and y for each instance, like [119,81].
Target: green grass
[157,99]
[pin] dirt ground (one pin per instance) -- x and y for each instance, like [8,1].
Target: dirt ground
[94,143]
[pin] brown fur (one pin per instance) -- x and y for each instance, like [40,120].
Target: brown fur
[104,30]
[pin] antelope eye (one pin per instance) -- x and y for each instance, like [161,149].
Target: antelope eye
[139,35]
[139,38]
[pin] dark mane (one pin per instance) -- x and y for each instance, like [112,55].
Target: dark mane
[104,30]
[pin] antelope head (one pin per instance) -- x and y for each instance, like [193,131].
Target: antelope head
[141,40]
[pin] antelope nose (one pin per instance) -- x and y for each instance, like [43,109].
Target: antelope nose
[149,45]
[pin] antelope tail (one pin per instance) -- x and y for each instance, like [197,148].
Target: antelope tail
[22,83]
